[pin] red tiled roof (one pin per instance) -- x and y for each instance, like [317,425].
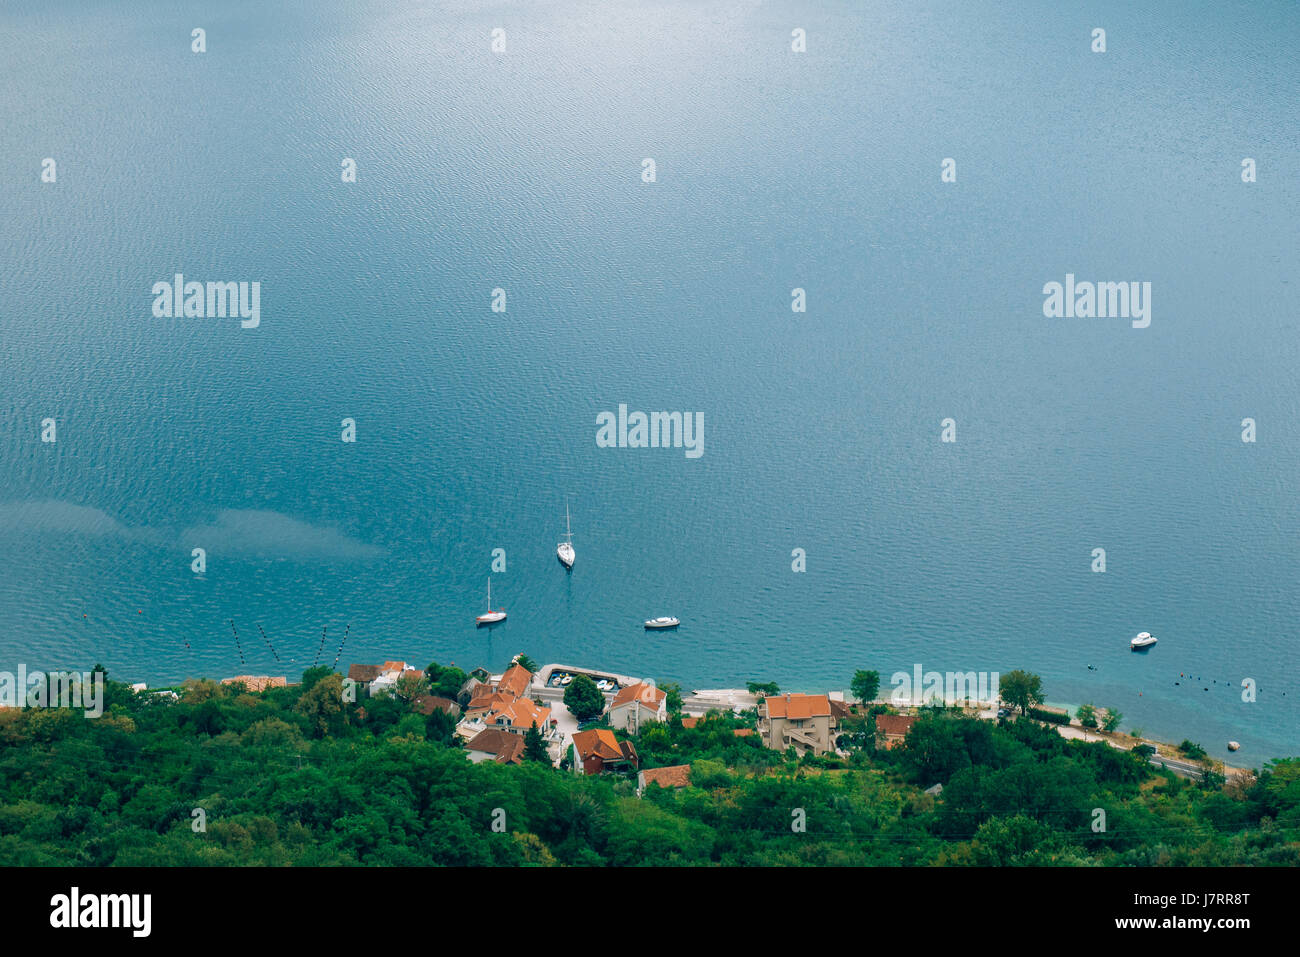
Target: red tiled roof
[492,701]
[428,703]
[515,681]
[648,695]
[601,743]
[691,722]
[522,713]
[894,723]
[364,673]
[798,706]
[598,742]
[255,682]
[677,776]
[506,748]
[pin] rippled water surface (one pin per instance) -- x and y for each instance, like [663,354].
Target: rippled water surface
[775,170]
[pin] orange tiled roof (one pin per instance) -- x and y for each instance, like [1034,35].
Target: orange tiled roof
[691,722]
[522,713]
[894,723]
[743,732]
[515,681]
[492,701]
[677,776]
[798,706]
[601,743]
[394,665]
[256,682]
[648,695]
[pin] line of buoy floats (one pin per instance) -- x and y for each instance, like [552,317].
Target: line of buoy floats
[341,644]
[268,642]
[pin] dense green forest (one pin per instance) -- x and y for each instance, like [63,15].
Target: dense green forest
[297,776]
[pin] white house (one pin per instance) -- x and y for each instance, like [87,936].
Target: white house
[388,675]
[636,705]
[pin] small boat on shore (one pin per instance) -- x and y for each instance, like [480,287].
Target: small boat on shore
[1143,641]
[654,623]
[491,617]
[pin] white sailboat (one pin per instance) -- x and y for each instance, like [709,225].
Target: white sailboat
[564,550]
[492,617]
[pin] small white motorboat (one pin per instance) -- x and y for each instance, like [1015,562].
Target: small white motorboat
[491,617]
[564,550]
[1143,640]
[662,623]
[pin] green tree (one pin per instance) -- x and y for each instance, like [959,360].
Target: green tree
[313,675]
[584,699]
[761,688]
[1087,715]
[865,685]
[534,746]
[674,692]
[523,661]
[323,704]
[1005,841]
[440,727]
[934,750]
[411,685]
[1113,718]
[1192,750]
[1278,790]
[1021,689]
[445,681]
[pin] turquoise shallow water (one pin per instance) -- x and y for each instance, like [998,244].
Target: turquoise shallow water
[775,170]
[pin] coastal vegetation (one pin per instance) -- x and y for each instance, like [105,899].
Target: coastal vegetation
[1192,750]
[1022,690]
[583,698]
[300,775]
[865,685]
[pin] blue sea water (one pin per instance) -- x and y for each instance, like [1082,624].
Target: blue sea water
[775,170]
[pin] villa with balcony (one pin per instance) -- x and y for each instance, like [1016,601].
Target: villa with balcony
[802,721]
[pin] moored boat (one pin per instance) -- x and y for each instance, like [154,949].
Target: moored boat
[564,550]
[491,617]
[1143,640]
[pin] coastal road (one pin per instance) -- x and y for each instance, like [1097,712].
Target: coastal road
[1186,769]
[1183,768]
